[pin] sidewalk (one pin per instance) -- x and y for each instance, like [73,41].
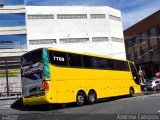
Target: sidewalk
[6,102]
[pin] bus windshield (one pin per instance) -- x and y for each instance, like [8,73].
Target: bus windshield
[33,73]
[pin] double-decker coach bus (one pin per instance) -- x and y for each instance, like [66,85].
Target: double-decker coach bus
[55,76]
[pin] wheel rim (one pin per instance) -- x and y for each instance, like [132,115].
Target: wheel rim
[131,92]
[92,97]
[80,99]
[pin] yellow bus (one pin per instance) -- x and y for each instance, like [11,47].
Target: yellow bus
[54,76]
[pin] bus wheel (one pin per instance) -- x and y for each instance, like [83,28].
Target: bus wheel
[131,92]
[91,98]
[80,99]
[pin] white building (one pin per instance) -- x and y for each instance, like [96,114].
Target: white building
[89,29]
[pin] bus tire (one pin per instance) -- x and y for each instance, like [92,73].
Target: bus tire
[92,97]
[80,98]
[131,92]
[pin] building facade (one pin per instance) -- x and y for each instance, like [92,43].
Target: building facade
[13,43]
[76,28]
[142,43]
[12,28]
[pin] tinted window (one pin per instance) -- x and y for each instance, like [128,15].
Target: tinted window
[99,63]
[125,66]
[109,64]
[94,62]
[75,60]
[120,65]
[88,61]
[58,58]
[32,57]
[117,65]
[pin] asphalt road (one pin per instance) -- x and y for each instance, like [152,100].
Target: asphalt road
[141,106]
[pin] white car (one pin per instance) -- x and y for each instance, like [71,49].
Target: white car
[154,83]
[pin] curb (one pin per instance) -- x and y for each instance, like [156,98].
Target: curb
[5,107]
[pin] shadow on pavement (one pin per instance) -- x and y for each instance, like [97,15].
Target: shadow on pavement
[150,92]
[18,105]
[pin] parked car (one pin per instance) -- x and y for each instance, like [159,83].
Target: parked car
[153,84]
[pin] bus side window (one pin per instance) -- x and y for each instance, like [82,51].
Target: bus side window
[87,62]
[117,65]
[75,60]
[98,63]
[125,66]
[109,64]
[58,58]
[101,63]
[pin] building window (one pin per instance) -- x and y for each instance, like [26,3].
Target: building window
[100,39]
[155,52]
[136,40]
[1,2]
[38,42]
[41,16]
[144,36]
[9,44]
[13,41]
[129,42]
[72,16]
[153,31]
[73,40]
[97,16]
[12,19]
[117,39]
[13,2]
[114,18]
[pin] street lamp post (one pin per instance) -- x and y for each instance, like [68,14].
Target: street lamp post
[138,47]
[145,53]
[139,57]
